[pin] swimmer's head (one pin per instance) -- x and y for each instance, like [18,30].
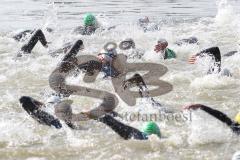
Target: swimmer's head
[237,118]
[104,58]
[53,99]
[110,49]
[150,128]
[161,45]
[127,44]
[89,19]
[236,156]
[143,21]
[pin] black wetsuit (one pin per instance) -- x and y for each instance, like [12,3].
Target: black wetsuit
[37,36]
[32,107]
[214,52]
[223,118]
[125,131]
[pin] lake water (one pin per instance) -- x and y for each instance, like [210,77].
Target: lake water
[214,23]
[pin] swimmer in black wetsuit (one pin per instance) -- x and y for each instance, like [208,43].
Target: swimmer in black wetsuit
[128,132]
[90,25]
[233,124]
[213,52]
[63,111]
[23,34]
[36,36]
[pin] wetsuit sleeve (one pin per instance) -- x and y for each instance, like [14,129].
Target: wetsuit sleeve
[121,129]
[219,115]
[223,118]
[73,50]
[45,118]
[37,36]
[215,53]
[69,60]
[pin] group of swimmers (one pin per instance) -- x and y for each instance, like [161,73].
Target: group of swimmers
[106,63]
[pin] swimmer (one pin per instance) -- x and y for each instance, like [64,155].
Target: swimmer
[36,36]
[129,46]
[20,36]
[90,25]
[146,25]
[63,111]
[161,48]
[190,40]
[233,124]
[106,58]
[128,132]
[215,54]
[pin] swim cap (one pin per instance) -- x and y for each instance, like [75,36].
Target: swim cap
[237,118]
[89,19]
[127,44]
[236,156]
[151,128]
[110,49]
[162,41]
[53,99]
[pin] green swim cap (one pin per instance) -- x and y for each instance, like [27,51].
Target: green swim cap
[151,128]
[89,19]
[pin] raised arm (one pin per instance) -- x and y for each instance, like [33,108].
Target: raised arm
[215,113]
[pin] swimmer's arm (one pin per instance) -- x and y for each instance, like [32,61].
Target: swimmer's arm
[213,51]
[125,131]
[136,79]
[215,113]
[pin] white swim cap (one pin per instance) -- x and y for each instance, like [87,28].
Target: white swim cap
[53,99]
[236,156]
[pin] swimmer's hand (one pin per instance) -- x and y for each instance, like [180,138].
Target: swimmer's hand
[192,106]
[192,59]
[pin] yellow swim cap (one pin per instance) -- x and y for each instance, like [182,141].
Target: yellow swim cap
[237,118]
